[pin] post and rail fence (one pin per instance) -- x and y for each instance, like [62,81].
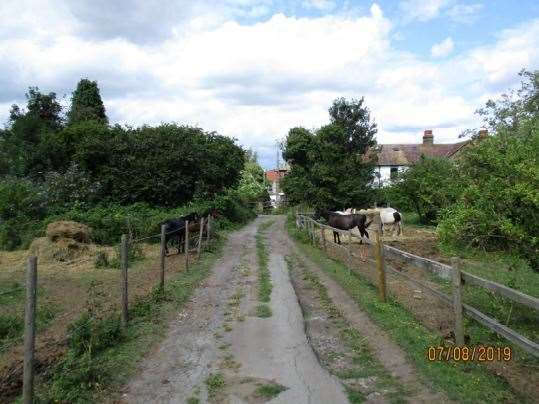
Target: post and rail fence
[458,278]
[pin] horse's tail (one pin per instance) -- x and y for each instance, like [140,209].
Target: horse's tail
[398,222]
[363,231]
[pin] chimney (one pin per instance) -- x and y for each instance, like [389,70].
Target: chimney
[428,139]
[483,133]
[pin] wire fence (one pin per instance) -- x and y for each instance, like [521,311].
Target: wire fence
[104,297]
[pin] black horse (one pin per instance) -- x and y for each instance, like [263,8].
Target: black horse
[175,229]
[344,222]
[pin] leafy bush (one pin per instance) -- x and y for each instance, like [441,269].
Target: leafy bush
[428,187]
[20,197]
[71,188]
[499,208]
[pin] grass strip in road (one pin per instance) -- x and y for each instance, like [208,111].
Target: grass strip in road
[91,375]
[463,382]
[264,277]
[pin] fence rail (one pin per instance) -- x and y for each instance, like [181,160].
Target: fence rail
[446,272]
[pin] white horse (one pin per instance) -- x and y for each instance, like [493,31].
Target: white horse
[393,217]
[387,216]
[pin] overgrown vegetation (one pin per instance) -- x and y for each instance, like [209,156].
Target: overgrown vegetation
[487,198]
[73,165]
[463,382]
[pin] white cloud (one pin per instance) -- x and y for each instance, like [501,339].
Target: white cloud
[422,10]
[322,5]
[254,81]
[443,48]
[464,13]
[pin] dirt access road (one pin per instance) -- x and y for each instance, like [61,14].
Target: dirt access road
[219,350]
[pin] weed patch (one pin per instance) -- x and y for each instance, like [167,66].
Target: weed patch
[215,383]
[268,391]
[263,311]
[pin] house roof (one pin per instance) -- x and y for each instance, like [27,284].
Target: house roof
[409,154]
[275,175]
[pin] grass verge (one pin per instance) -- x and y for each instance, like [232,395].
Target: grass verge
[463,382]
[102,355]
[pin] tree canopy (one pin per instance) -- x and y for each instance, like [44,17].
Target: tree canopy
[86,103]
[328,166]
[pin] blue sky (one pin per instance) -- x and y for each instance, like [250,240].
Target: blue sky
[253,69]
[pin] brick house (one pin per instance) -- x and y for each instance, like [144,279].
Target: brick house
[394,158]
[273,177]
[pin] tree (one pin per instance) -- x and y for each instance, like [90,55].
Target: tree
[328,167]
[513,107]
[499,206]
[429,186]
[251,186]
[355,118]
[28,130]
[86,103]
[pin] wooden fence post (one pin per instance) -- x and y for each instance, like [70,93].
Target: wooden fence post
[457,302]
[29,331]
[125,300]
[380,262]
[163,249]
[323,230]
[186,244]
[200,232]
[208,228]
[349,250]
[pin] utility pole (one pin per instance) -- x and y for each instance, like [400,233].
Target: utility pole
[277,196]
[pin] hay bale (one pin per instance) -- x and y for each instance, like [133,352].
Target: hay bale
[66,229]
[61,250]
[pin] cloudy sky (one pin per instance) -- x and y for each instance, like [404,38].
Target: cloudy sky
[253,69]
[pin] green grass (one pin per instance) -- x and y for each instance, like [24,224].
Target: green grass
[463,382]
[215,383]
[268,391]
[264,277]
[12,299]
[89,375]
[263,311]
